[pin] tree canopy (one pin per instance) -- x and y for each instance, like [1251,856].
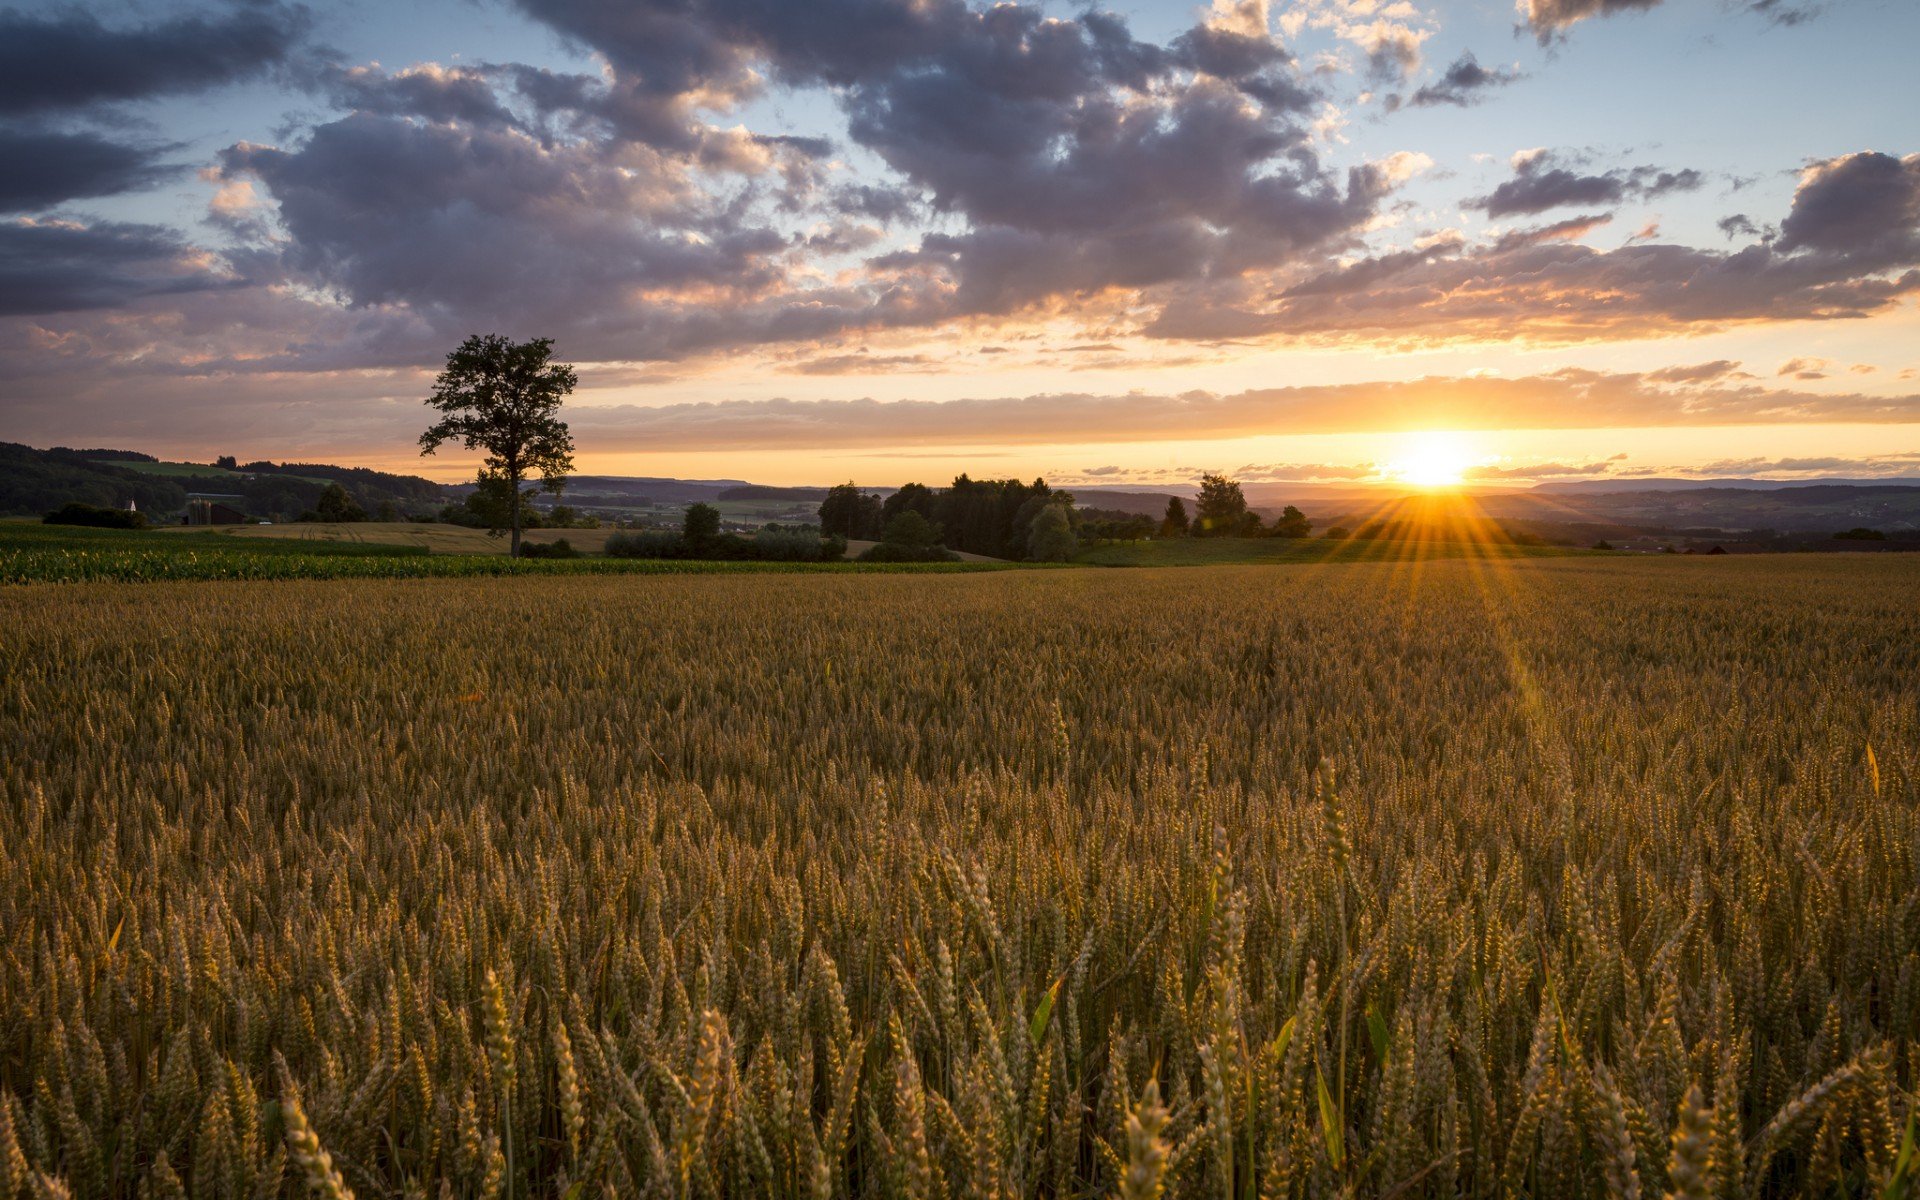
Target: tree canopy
[1050,538]
[1222,508]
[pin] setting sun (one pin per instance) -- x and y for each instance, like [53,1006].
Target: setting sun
[1431,460]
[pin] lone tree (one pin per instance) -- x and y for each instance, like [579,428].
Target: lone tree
[1050,538]
[701,524]
[336,505]
[1174,524]
[503,397]
[1292,523]
[1222,506]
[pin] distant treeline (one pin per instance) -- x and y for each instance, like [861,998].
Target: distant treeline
[1008,518]
[762,491]
[35,482]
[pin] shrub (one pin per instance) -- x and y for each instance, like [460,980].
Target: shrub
[894,552]
[787,545]
[647,543]
[76,513]
[909,528]
[766,546]
[559,548]
[1050,538]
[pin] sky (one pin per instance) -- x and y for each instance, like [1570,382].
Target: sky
[885,240]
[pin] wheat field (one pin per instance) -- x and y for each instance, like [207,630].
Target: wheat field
[1552,878]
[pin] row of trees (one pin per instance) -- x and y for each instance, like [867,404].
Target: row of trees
[998,518]
[1221,511]
[1006,518]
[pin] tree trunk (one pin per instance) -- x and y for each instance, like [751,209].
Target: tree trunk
[513,548]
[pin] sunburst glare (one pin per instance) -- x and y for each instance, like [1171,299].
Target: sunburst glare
[1431,460]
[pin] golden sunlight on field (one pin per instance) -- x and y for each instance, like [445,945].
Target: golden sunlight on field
[1478,877]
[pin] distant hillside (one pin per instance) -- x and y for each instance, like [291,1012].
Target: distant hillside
[762,491]
[1825,506]
[33,482]
[1695,485]
[621,491]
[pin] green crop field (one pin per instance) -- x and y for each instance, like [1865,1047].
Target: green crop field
[32,553]
[1449,877]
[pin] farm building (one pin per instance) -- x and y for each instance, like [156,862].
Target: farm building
[208,508]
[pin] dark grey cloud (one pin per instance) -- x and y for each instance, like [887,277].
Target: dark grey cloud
[1461,85]
[40,167]
[64,266]
[72,60]
[1854,252]
[481,223]
[432,93]
[1541,182]
[1863,204]
[1066,157]
[1080,157]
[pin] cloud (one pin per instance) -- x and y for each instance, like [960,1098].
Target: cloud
[40,168]
[1570,230]
[1860,204]
[1547,470]
[1539,183]
[49,266]
[1868,467]
[1305,472]
[468,223]
[1780,12]
[1550,18]
[1463,84]
[1570,399]
[1805,368]
[865,364]
[428,91]
[1854,252]
[71,60]
[1035,163]
[1719,368]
